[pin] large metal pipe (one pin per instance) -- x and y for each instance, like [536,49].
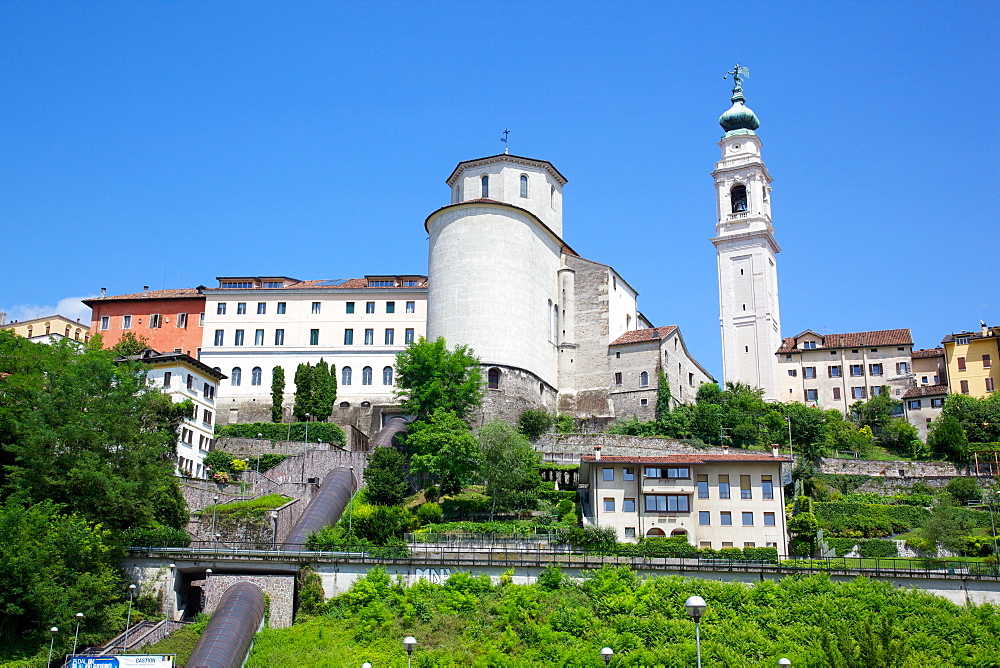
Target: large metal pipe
[387,437]
[325,508]
[227,639]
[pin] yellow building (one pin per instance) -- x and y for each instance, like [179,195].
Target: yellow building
[973,361]
[49,329]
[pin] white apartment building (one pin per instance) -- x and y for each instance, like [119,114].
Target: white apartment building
[836,370]
[255,324]
[183,377]
[715,501]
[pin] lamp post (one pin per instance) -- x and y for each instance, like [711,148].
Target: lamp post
[76,636]
[128,621]
[606,654]
[305,444]
[366,665]
[259,437]
[409,642]
[208,572]
[696,608]
[350,504]
[215,504]
[171,595]
[52,643]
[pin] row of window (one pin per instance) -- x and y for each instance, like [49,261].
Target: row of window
[316,308]
[346,376]
[208,390]
[679,503]
[239,337]
[48,330]
[811,345]
[917,404]
[644,377]
[857,392]
[987,363]
[187,436]
[485,185]
[154,321]
[684,473]
[964,386]
[855,369]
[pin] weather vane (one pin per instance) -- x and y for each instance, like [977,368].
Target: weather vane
[504,140]
[738,73]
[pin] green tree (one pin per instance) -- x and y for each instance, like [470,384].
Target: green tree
[277,394]
[130,344]
[429,377]
[303,391]
[444,447]
[324,384]
[509,466]
[947,438]
[385,477]
[948,524]
[533,422]
[964,489]
[663,396]
[87,433]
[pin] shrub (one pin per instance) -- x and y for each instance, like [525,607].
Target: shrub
[868,520]
[800,547]
[964,489]
[767,554]
[265,462]
[876,548]
[327,432]
[465,504]
[219,460]
[921,544]
[534,422]
[430,513]
[159,536]
[565,424]
[551,578]
[380,524]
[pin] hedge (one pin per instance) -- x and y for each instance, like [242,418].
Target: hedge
[157,537]
[326,432]
[868,548]
[867,520]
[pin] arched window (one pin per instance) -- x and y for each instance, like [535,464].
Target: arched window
[738,195]
[524,185]
[552,197]
[76,335]
[344,404]
[236,376]
[255,376]
[67,331]
[493,378]
[366,376]
[366,404]
[345,376]
[656,531]
[387,376]
[217,370]
[486,185]
[644,379]
[48,327]
[29,331]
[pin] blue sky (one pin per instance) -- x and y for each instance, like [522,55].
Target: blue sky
[165,144]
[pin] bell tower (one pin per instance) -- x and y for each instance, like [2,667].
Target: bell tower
[746,249]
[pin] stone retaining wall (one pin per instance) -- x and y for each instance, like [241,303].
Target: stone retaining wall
[280,590]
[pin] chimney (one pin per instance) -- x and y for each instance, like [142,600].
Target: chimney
[774,450]
[985,329]
[597,453]
[104,293]
[725,449]
[3,317]
[145,289]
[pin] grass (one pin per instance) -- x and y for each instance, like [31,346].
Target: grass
[180,642]
[250,507]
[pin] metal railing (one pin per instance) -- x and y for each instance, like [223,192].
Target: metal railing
[425,555]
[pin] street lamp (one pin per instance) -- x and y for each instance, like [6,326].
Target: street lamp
[76,636]
[128,622]
[171,595]
[784,662]
[366,665]
[696,608]
[215,504]
[52,643]
[409,642]
[606,654]
[259,437]
[208,572]
[350,505]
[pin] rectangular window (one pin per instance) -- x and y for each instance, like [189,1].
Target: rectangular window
[745,491]
[411,307]
[628,506]
[812,395]
[155,321]
[609,505]
[369,337]
[166,379]
[748,519]
[618,378]
[809,345]
[281,308]
[913,404]
[876,390]
[702,486]
[704,518]
[126,322]
[313,337]
[390,337]
[834,371]
[750,544]
[628,473]
[315,308]
[201,319]
[630,532]
[273,284]
[261,308]
[989,384]
[258,337]
[793,372]
[349,308]
[348,337]
[667,503]
[408,337]
[857,370]
[369,307]
[238,339]
[608,473]
[644,402]
[961,364]
[726,519]
[219,334]
[220,308]
[723,487]
[809,372]
[902,367]
[190,381]
[705,544]
[875,369]
[390,307]
[670,472]
[857,393]
[937,403]
[965,387]
[279,337]
[105,322]
[766,487]
[836,394]
[241,308]
[182,320]
[986,361]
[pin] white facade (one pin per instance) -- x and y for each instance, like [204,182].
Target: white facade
[715,501]
[359,325]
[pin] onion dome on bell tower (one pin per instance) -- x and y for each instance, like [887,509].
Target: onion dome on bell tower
[739,119]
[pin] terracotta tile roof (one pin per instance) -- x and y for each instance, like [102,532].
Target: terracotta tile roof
[178,293]
[684,459]
[991,332]
[642,335]
[881,337]
[926,391]
[345,284]
[924,353]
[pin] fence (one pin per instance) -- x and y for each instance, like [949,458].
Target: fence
[460,539]
[564,557]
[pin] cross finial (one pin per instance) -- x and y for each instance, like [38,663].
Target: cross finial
[504,140]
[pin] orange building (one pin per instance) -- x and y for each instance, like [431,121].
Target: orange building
[169,320]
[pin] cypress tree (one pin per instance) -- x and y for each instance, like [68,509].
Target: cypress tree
[303,391]
[277,394]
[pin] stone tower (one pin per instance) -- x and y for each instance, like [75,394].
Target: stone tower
[746,249]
